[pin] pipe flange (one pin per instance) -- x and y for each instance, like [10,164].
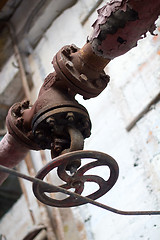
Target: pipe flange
[50,126]
[14,122]
[77,74]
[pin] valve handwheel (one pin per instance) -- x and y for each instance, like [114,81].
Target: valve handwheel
[78,178]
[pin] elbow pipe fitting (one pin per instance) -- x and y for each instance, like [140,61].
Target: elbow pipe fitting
[45,125]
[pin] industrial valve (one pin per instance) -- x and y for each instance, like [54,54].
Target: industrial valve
[58,122]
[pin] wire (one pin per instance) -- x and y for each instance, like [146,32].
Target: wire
[77,196]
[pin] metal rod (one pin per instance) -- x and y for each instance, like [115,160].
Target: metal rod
[86,199]
[19,60]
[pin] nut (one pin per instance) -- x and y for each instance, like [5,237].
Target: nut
[17,111]
[66,52]
[74,48]
[25,104]
[70,117]
[57,148]
[83,78]
[69,65]
[50,121]
[19,122]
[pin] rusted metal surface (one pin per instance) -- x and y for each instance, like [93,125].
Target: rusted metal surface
[77,143]
[121,24]
[16,128]
[50,125]
[78,179]
[81,70]
[11,153]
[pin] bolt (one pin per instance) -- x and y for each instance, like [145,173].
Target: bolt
[83,78]
[66,52]
[104,77]
[74,48]
[25,104]
[70,117]
[57,148]
[69,65]
[19,122]
[50,121]
[17,111]
[39,134]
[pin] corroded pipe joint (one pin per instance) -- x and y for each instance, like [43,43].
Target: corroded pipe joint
[16,127]
[81,70]
[54,113]
[45,125]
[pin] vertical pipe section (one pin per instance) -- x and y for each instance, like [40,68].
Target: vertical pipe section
[11,153]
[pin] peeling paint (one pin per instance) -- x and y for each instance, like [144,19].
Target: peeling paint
[121,24]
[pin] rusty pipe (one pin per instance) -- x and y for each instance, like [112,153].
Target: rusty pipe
[11,153]
[121,24]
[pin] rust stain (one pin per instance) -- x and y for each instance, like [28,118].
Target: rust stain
[155,38]
[143,65]
[80,227]
[150,134]
[158,52]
